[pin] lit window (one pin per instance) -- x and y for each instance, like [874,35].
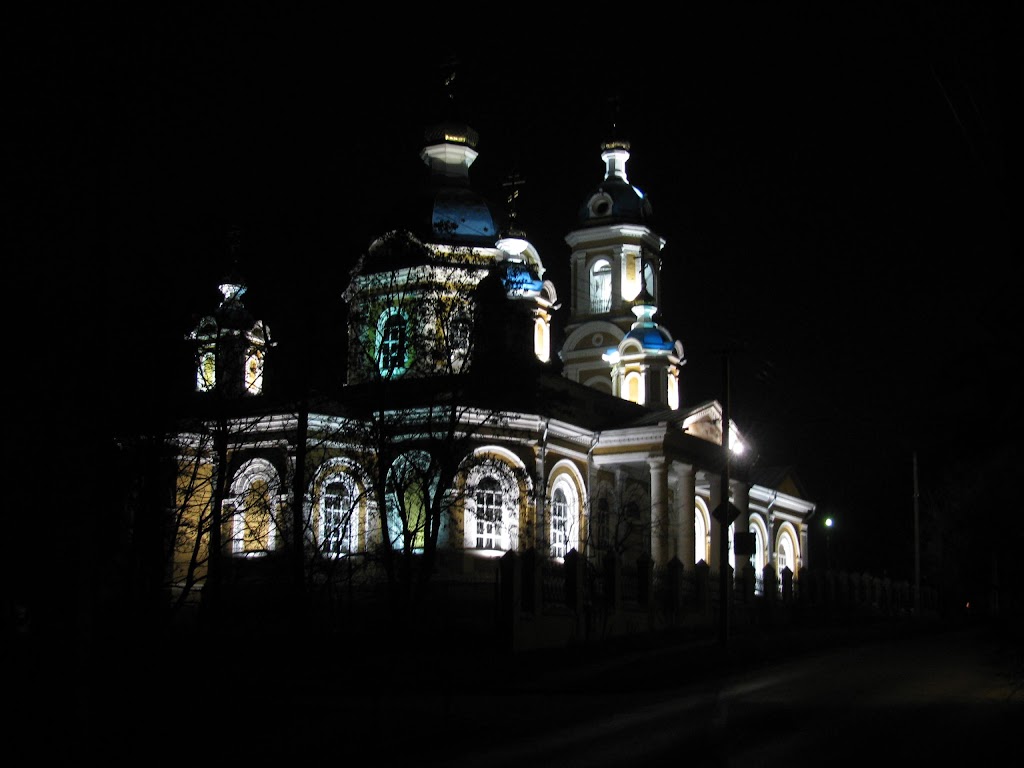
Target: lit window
[206,374]
[392,343]
[559,517]
[634,389]
[254,372]
[488,514]
[411,483]
[541,340]
[601,286]
[700,537]
[255,491]
[337,519]
[785,554]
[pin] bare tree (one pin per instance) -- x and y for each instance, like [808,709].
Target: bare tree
[419,406]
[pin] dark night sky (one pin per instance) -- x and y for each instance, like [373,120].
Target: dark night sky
[835,188]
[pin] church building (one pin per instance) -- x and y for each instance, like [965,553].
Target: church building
[468,471]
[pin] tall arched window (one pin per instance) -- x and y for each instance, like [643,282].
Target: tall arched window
[255,492]
[731,548]
[206,375]
[392,342]
[541,340]
[633,385]
[784,557]
[489,500]
[339,519]
[254,372]
[559,519]
[411,485]
[601,286]
[564,532]
[758,558]
[700,534]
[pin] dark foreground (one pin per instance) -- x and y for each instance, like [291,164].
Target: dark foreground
[900,690]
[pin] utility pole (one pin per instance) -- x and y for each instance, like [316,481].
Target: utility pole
[724,601]
[917,548]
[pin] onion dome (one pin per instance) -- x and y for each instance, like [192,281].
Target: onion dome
[615,201]
[457,215]
[519,279]
[650,335]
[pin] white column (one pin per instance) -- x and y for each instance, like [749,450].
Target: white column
[659,511]
[686,493]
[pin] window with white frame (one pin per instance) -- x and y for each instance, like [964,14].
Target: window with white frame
[489,499]
[254,372]
[206,375]
[758,558]
[601,286]
[411,484]
[564,518]
[492,500]
[633,388]
[559,520]
[700,536]
[732,547]
[784,557]
[254,508]
[338,520]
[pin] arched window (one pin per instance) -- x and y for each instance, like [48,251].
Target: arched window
[492,482]
[731,547]
[254,499]
[541,340]
[565,505]
[634,388]
[411,485]
[758,558]
[339,518]
[392,342]
[488,514]
[206,375]
[559,519]
[649,278]
[254,371]
[784,558]
[700,533]
[601,286]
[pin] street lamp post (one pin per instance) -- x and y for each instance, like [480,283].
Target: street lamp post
[828,542]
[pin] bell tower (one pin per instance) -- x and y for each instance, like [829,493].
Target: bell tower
[615,270]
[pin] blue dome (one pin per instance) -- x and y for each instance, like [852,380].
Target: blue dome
[519,279]
[462,217]
[652,337]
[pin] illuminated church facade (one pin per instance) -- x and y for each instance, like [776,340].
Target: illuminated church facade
[570,489]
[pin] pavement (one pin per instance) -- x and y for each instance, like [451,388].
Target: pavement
[412,700]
